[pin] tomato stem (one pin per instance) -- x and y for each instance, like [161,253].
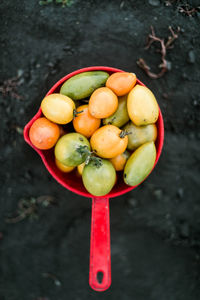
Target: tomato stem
[123,133]
[89,156]
[75,113]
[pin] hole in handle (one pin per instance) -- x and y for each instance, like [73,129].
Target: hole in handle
[99,276]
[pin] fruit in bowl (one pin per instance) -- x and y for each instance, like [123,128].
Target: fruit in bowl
[114,123]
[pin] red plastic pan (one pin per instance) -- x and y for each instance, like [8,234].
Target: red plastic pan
[100,256]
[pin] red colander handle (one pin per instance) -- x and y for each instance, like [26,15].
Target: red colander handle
[100,262]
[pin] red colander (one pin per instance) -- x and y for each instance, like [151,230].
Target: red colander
[100,256]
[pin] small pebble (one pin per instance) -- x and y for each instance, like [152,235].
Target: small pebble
[133,202]
[20,72]
[191,57]
[180,192]
[53,71]
[191,135]
[154,3]
[184,75]
[21,111]
[167,216]
[67,48]
[122,4]
[9,191]
[158,194]
[28,175]
[50,64]
[196,103]
[184,230]
[169,65]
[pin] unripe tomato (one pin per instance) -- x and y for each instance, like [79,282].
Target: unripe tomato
[84,123]
[63,168]
[103,103]
[58,108]
[120,160]
[109,141]
[121,82]
[99,179]
[120,116]
[140,164]
[44,134]
[72,149]
[140,134]
[142,106]
[82,85]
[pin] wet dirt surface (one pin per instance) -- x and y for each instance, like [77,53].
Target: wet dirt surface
[155,229]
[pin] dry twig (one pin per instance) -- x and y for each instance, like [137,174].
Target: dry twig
[183,7]
[9,87]
[28,208]
[188,10]
[164,46]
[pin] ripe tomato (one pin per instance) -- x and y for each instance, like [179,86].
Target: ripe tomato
[58,108]
[99,179]
[119,161]
[103,103]
[84,123]
[44,134]
[109,141]
[80,169]
[63,168]
[121,82]
[142,106]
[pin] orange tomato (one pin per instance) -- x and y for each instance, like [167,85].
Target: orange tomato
[120,160]
[103,103]
[84,123]
[63,168]
[109,141]
[121,82]
[44,134]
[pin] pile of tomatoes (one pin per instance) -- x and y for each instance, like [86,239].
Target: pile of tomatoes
[113,129]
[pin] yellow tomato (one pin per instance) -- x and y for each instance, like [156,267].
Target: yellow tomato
[80,168]
[58,108]
[142,106]
[63,168]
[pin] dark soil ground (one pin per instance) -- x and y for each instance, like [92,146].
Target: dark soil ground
[155,229]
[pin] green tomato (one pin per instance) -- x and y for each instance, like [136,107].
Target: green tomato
[139,135]
[83,85]
[99,179]
[72,149]
[140,164]
[120,116]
